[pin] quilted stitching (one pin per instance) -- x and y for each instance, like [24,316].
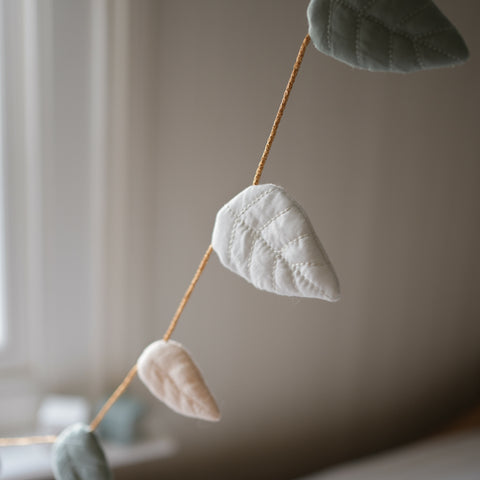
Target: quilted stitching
[243,238]
[277,255]
[378,54]
[329,25]
[413,13]
[276,217]
[168,371]
[243,211]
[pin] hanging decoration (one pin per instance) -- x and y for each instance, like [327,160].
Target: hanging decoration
[266,237]
[262,234]
[385,35]
[169,373]
[78,455]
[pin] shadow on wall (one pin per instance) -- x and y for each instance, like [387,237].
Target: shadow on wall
[387,168]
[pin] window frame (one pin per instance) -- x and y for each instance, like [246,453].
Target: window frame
[20,144]
[21,186]
[108,289]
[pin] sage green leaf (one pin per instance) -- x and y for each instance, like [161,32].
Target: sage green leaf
[78,455]
[385,35]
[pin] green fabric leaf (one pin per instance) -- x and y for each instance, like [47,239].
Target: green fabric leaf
[78,455]
[385,35]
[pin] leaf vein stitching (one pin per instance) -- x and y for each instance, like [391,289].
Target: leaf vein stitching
[418,56]
[276,217]
[232,238]
[306,280]
[310,264]
[255,200]
[408,16]
[390,50]
[299,278]
[278,254]
[431,33]
[438,49]
[358,25]
[274,271]
[296,239]
[250,255]
[329,24]
[394,30]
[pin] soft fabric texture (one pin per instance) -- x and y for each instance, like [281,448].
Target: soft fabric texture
[78,455]
[170,374]
[266,237]
[385,35]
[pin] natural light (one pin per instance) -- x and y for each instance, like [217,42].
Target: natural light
[3,332]
[3,336]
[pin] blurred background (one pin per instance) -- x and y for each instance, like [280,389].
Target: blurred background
[126,125]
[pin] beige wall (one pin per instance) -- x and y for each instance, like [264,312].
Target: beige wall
[387,166]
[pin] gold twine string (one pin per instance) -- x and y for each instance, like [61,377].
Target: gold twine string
[281,109]
[113,398]
[21,441]
[189,291]
[256,180]
[24,441]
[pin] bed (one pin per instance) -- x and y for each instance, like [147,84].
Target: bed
[454,454]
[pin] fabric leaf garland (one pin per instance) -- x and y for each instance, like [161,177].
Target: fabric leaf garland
[78,455]
[265,236]
[385,35]
[171,375]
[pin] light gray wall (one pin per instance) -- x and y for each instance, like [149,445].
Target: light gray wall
[387,167]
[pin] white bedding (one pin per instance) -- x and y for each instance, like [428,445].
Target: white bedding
[454,457]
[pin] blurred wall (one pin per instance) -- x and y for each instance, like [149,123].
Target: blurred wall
[387,167]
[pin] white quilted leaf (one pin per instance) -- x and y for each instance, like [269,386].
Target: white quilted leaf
[171,375]
[266,237]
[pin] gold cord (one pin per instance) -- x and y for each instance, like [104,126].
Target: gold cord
[24,441]
[131,374]
[256,179]
[113,398]
[189,291]
[283,104]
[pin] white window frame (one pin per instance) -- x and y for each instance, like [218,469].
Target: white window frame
[22,212]
[4,328]
[41,189]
